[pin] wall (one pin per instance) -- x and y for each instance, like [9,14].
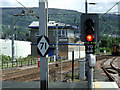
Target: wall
[22,48]
[76,52]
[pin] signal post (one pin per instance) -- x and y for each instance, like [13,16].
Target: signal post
[43,44]
[89,35]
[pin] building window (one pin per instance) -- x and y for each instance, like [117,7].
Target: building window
[64,33]
[37,34]
[70,33]
[59,33]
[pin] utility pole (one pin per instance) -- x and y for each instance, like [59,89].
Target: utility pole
[13,41]
[43,7]
[56,42]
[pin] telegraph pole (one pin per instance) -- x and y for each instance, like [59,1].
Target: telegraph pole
[43,7]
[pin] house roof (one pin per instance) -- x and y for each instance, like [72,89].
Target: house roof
[52,25]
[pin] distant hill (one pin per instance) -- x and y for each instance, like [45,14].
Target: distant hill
[108,23]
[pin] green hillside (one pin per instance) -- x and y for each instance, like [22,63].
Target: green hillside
[108,23]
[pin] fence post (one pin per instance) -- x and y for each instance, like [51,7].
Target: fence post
[16,63]
[21,63]
[12,63]
[2,64]
[61,68]
[31,61]
[7,64]
[72,65]
[35,61]
[25,62]
[28,62]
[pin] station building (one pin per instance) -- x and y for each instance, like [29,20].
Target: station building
[66,40]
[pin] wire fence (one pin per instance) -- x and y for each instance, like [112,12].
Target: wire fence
[18,63]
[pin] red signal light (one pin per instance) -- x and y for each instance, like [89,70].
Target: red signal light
[89,37]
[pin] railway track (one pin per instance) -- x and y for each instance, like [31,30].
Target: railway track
[114,67]
[111,70]
[33,74]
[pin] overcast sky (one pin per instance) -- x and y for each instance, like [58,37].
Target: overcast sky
[78,5]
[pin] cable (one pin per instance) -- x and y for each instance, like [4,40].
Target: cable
[30,11]
[107,12]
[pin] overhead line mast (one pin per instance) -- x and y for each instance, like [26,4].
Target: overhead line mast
[105,22]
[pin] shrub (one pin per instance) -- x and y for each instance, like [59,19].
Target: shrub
[5,57]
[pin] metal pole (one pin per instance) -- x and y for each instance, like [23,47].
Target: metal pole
[12,41]
[72,65]
[61,68]
[89,70]
[79,43]
[56,42]
[43,31]
[90,74]
[86,9]
[98,48]
[90,78]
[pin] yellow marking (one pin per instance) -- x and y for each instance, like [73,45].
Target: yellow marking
[96,85]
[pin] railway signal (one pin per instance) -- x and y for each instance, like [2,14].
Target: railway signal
[89,37]
[89,28]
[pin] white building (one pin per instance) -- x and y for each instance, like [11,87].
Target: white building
[22,48]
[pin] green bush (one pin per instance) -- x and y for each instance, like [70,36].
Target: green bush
[108,49]
[104,48]
[5,57]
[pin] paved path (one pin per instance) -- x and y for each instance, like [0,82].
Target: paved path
[15,85]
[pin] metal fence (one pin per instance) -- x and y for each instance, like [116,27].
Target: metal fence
[19,63]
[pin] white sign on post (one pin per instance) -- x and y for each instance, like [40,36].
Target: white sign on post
[42,45]
[90,48]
